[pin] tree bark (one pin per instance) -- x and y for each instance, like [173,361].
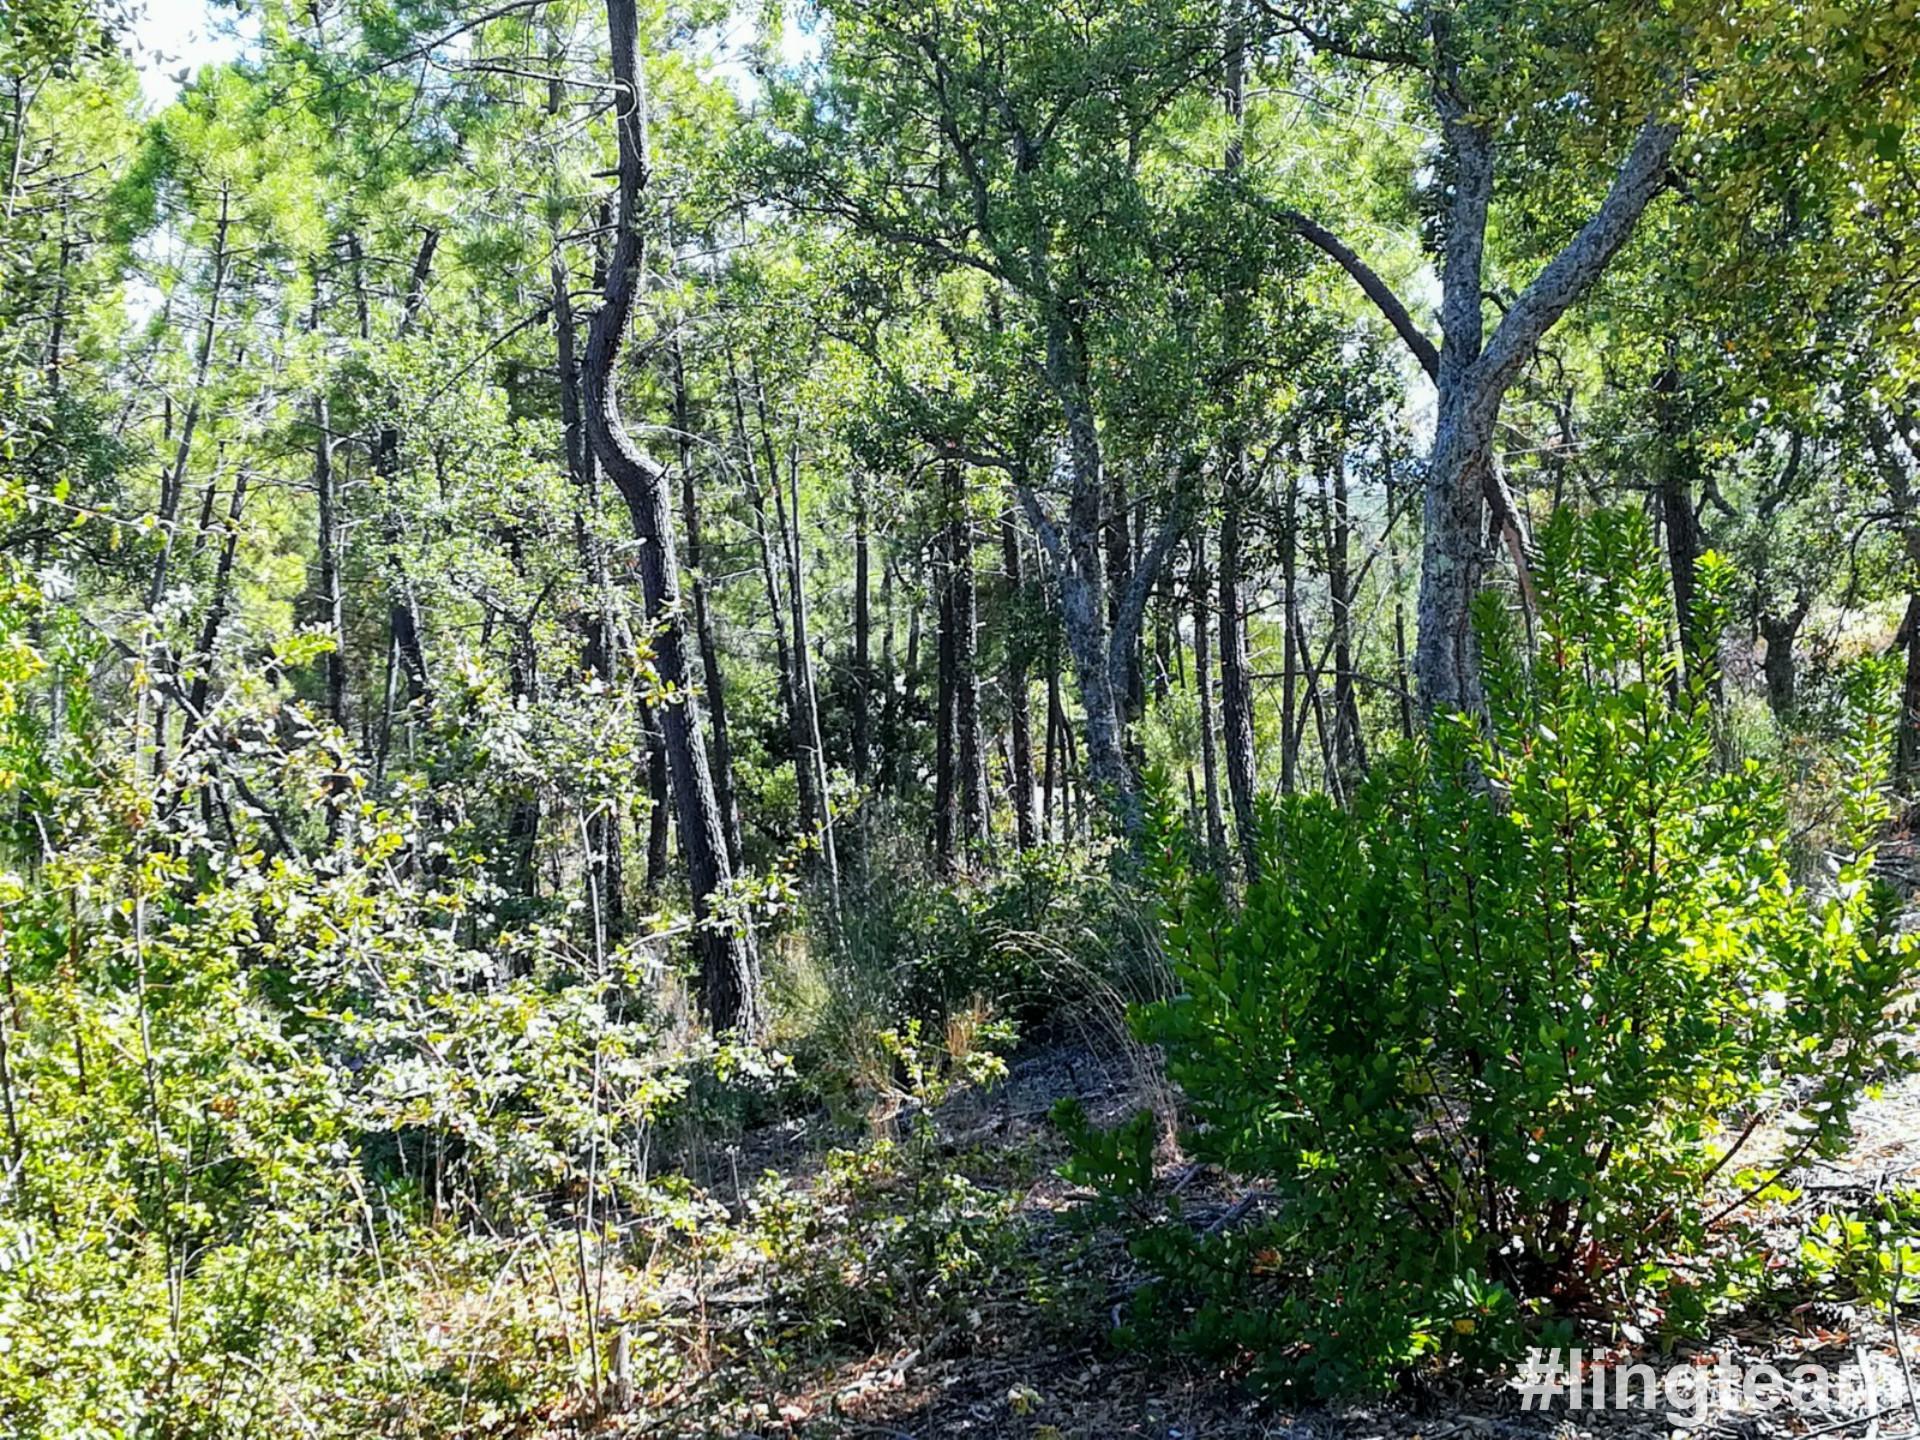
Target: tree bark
[716,690]
[605,840]
[1893,473]
[1780,630]
[1472,373]
[1019,709]
[201,688]
[815,756]
[173,481]
[1200,586]
[1236,681]
[969,746]
[1349,746]
[862,634]
[776,606]
[724,944]
[403,606]
[332,607]
[1906,740]
[946,790]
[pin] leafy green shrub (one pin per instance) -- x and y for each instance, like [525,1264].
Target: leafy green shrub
[891,1236]
[1870,1254]
[1490,1037]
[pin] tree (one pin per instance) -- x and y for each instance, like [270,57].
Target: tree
[729,964]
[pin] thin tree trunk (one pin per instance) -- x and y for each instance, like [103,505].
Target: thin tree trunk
[909,679]
[1236,683]
[1050,774]
[1118,538]
[815,754]
[216,616]
[1019,712]
[1893,474]
[1677,518]
[729,963]
[889,736]
[862,633]
[945,790]
[1203,690]
[969,749]
[332,605]
[605,841]
[776,607]
[716,697]
[173,482]
[660,798]
[1349,745]
[523,686]
[403,606]
[1906,741]
[1402,677]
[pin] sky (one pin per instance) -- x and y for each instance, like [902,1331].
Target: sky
[173,38]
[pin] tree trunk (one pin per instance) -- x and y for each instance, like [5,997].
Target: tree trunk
[969,747]
[1019,711]
[1893,473]
[889,748]
[332,607]
[1349,746]
[1677,519]
[173,481]
[1118,540]
[815,754]
[659,793]
[1472,381]
[1906,743]
[776,607]
[1236,681]
[216,616]
[909,683]
[1780,631]
[605,841]
[946,799]
[729,964]
[716,696]
[523,686]
[862,633]
[1203,690]
[403,606]
[1076,559]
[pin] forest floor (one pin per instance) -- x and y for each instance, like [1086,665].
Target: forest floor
[1017,1368]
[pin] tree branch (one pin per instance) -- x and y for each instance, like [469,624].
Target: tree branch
[1570,273]
[1376,289]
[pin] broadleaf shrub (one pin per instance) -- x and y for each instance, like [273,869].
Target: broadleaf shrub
[1499,1038]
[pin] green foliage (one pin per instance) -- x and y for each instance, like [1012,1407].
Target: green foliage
[1048,941]
[1870,1254]
[1117,1162]
[277,1130]
[893,1232]
[1491,1035]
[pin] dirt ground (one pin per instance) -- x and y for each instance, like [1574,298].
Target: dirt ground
[1012,1376]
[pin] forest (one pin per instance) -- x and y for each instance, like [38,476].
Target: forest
[920,718]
